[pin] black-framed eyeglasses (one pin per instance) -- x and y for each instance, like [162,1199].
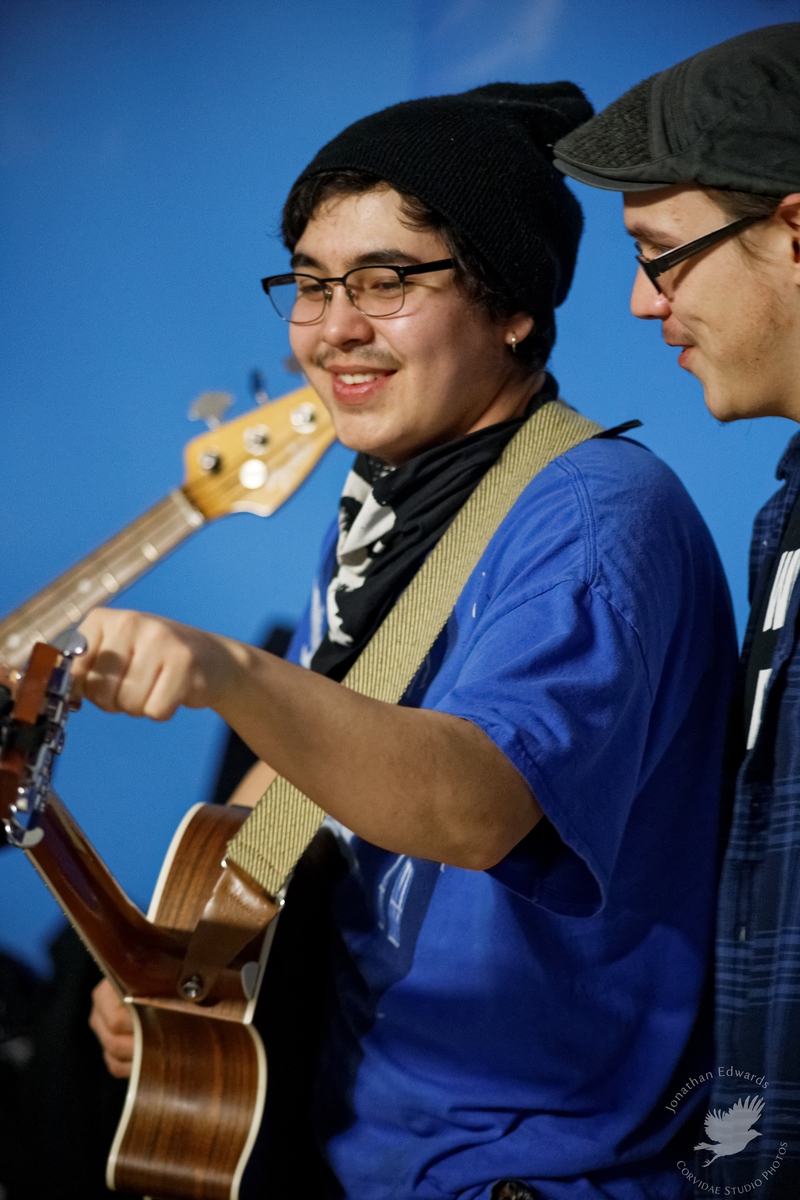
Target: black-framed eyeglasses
[375,291]
[653,267]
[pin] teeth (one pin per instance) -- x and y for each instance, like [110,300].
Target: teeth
[357,378]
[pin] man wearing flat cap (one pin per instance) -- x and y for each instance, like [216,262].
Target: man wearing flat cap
[708,156]
[521,926]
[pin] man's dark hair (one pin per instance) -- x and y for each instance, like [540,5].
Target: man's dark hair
[743,204]
[473,274]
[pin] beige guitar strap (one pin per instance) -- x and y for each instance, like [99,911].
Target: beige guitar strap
[284,821]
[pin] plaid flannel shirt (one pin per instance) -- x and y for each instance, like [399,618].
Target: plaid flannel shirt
[758,935]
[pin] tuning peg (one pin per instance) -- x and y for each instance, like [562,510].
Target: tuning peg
[210,407]
[258,386]
[71,643]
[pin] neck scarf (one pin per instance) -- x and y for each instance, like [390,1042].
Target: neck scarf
[390,518]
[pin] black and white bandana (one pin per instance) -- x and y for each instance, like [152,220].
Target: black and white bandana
[390,518]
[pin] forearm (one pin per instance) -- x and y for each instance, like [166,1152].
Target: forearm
[410,780]
[252,786]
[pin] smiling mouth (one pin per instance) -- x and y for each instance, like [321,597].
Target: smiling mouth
[358,387]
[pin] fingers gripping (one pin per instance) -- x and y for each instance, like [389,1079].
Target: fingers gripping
[145,666]
[112,1025]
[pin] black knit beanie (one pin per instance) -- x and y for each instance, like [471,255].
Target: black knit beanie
[483,160]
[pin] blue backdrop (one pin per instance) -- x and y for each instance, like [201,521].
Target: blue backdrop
[146,149]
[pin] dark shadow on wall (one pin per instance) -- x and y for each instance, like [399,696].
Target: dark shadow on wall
[60,1103]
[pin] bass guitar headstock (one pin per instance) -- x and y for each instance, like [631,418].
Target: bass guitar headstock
[255,462]
[34,706]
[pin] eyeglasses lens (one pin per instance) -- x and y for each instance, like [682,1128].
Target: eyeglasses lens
[375,291]
[298,298]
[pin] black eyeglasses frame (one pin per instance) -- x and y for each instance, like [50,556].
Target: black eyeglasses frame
[653,267]
[441,264]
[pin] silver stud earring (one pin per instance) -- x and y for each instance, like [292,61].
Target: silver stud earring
[513,343]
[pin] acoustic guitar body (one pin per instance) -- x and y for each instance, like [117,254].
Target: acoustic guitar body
[194,1105]
[196,1093]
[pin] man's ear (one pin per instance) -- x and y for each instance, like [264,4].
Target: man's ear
[788,211]
[518,328]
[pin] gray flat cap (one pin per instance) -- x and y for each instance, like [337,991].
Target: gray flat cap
[728,117]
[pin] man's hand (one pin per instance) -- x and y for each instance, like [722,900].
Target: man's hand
[148,666]
[112,1024]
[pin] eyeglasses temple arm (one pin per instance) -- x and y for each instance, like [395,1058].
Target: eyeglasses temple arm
[665,262]
[442,264]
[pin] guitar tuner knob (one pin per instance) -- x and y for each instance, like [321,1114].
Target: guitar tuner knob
[256,439]
[192,987]
[210,462]
[71,643]
[210,407]
[304,418]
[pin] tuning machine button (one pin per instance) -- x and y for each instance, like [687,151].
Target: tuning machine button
[256,439]
[71,643]
[210,407]
[304,418]
[210,462]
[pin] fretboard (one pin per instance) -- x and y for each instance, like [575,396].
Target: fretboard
[98,577]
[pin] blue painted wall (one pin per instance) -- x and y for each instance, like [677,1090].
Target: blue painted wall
[145,149]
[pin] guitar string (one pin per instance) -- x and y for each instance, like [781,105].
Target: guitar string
[164,524]
[65,588]
[152,524]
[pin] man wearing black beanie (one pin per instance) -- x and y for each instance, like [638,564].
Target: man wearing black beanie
[520,929]
[708,156]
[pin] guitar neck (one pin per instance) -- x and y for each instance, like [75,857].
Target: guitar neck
[138,956]
[145,958]
[251,464]
[118,563]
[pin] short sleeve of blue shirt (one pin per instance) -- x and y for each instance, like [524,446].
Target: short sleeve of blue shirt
[527,1021]
[558,681]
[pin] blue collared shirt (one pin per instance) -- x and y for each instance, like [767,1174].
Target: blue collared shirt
[542,1020]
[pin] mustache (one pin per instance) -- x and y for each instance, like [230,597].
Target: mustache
[363,357]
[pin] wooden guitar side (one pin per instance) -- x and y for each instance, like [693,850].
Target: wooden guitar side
[196,1094]
[193,1109]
